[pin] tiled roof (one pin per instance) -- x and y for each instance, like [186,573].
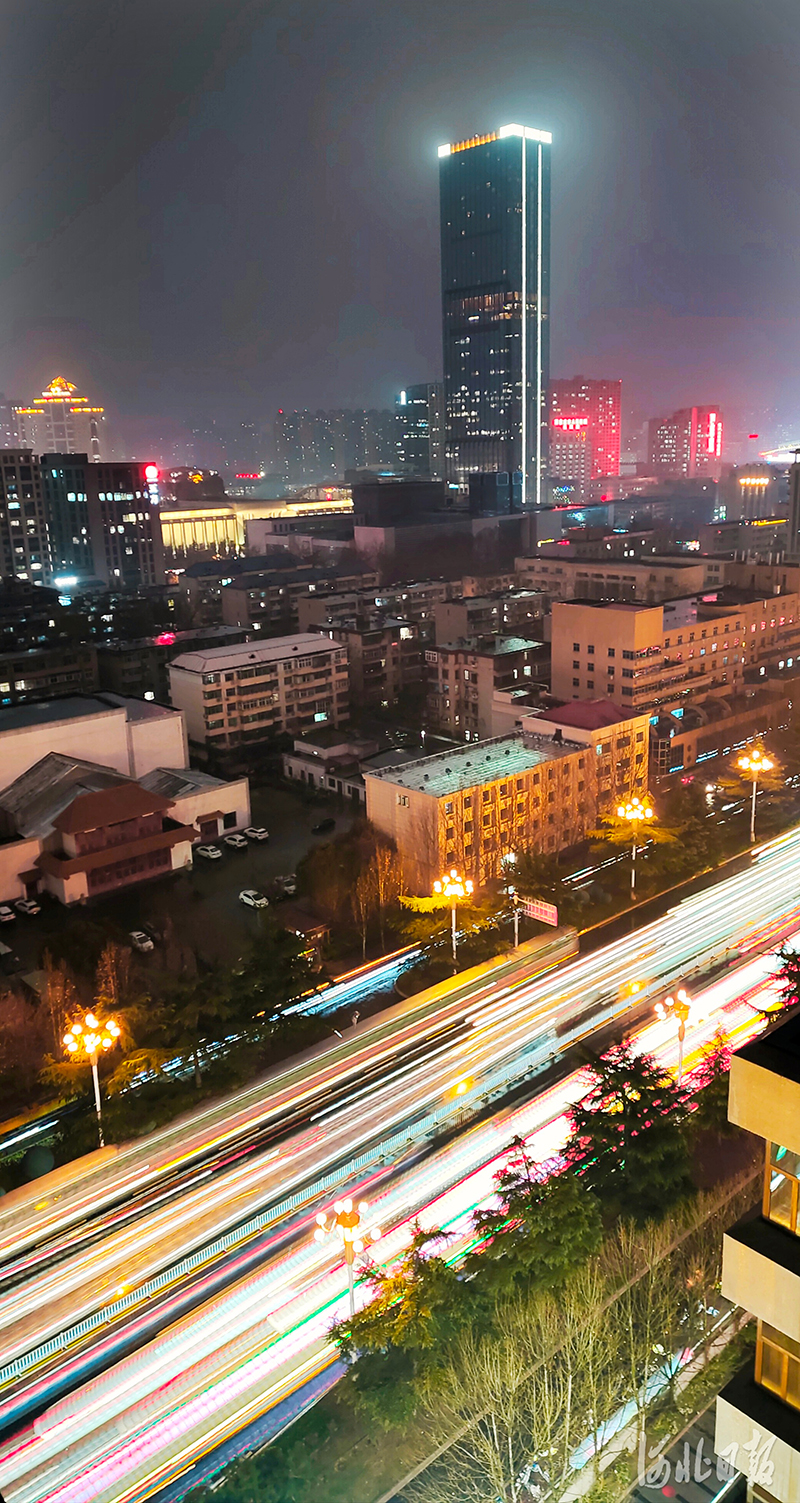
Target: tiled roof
[109,806]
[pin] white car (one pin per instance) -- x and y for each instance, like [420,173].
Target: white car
[253,899]
[28,907]
[7,915]
[236,842]
[141,941]
[287,885]
[256,832]
[209,852]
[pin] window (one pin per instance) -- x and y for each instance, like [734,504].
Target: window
[576,664]
[448,808]
[576,683]
[576,647]
[778,1364]
[486,795]
[590,648]
[590,683]
[402,799]
[781,1182]
[627,654]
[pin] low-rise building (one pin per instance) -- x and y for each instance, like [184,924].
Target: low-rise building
[268,601]
[234,696]
[464,675]
[517,611]
[37,673]
[758,1411]
[649,582]
[386,656]
[472,806]
[141,668]
[132,736]
[717,727]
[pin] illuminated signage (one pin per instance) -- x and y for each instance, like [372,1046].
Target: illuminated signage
[570,424]
[151,472]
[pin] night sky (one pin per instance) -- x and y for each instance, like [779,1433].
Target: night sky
[223,206]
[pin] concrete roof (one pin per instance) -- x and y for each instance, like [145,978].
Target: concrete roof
[483,648]
[586,714]
[273,650]
[34,801]
[476,763]
[178,782]
[51,711]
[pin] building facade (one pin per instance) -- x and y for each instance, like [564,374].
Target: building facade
[65,487]
[758,1411]
[585,426]
[125,523]
[688,443]
[47,672]
[465,675]
[234,696]
[25,546]
[420,430]
[386,656]
[495,249]
[61,421]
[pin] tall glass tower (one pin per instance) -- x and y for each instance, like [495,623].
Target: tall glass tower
[495,223]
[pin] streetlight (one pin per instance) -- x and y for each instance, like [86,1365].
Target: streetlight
[90,1039]
[345,1222]
[752,767]
[453,886]
[678,1007]
[636,813]
[512,893]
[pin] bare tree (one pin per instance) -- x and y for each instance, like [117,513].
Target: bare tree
[362,901]
[387,869]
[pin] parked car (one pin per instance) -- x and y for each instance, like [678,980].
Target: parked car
[287,886]
[236,842]
[141,941]
[323,827]
[256,832]
[253,899]
[7,914]
[208,852]
[28,907]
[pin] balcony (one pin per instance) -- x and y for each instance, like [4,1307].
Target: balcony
[761,1272]
[753,1423]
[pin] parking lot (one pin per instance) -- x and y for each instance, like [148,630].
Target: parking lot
[203,904]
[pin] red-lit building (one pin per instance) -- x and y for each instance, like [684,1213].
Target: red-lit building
[584,430]
[687,443]
[124,502]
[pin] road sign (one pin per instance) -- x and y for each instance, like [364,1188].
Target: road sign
[546,913]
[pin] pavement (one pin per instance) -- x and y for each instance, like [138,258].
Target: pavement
[202,904]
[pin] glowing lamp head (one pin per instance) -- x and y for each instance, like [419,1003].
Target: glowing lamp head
[151,472]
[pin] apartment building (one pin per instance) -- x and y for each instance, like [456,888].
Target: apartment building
[386,656]
[464,675]
[413,602]
[234,696]
[648,583]
[123,507]
[46,672]
[26,551]
[472,806]
[141,668]
[660,657]
[520,611]
[758,1411]
[269,600]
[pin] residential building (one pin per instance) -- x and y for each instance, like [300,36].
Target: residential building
[140,668]
[9,427]
[125,523]
[65,487]
[268,600]
[416,601]
[464,675]
[650,581]
[315,447]
[758,1418]
[472,806]
[519,611]
[25,546]
[420,430]
[658,658]
[61,421]
[36,673]
[386,655]
[585,419]
[687,443]
[132,736]
[234,696]
[495,251]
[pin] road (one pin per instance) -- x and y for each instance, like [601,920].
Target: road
[207,1337]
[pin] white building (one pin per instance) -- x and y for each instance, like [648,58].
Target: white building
[132,736]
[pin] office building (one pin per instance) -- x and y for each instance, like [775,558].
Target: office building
[125,524]
[793,538]
[61,421]
[65,487]
[758,1411]
[688,443]
[25,545]
[9,427]
[471,806]
[585,418]
[234,696]
[317,447]
[420,430]
[495,239]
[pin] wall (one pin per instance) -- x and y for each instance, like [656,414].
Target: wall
[228,797]
[156,741]
[92,738]
[186,694]
[16,856]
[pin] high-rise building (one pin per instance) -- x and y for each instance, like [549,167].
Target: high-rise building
[793,538]
[9,427]
[316,448]
[495,237]
[25,549]
[65,487]
[420,430]
[60,421]
[687,443]
[585,418]
[125,524]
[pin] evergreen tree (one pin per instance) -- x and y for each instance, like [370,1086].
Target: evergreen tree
[627,1142]
[710,1082]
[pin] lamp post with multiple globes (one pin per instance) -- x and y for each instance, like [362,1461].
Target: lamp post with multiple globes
[636,812]
[345,1222]
[454,887]
[90,1039]
[752,767]
[678,1007]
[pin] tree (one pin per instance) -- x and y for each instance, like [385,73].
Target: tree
[617,833]
[363,898]
[279,968]
[193,1005]
[388,877]
[541,1230]
[710,1081]
[788,978]
[627,1142]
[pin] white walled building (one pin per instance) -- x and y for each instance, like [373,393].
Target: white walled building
[130,735]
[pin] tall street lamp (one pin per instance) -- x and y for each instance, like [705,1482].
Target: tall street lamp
[453,886]
[636,812]
[91,1039]
[345,1222]
[752,766]
[678,1007]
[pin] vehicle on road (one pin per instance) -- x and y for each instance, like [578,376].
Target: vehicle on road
[256,832]
[235,842]
[27,906]
[7,914]
[323,827]
[253,899]
[141,941]
[208,852]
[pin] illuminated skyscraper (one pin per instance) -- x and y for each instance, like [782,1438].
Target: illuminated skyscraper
[61,421]
[495,234]
[688,443]
[420,439]
[584,430]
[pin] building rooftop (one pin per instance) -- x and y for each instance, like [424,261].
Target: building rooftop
[471,765]
[178,782]
[51,712]
[120,801]
[34,801]
[586,714]
[489,647]
[273,650]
